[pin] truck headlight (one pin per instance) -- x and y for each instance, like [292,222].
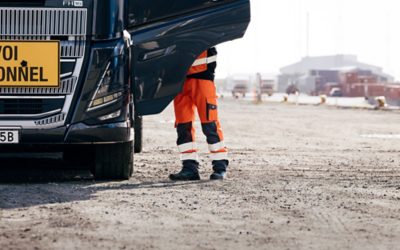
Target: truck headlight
[106,92]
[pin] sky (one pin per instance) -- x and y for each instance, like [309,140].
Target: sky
[277,35]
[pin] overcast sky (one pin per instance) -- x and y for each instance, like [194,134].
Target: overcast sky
[277,34]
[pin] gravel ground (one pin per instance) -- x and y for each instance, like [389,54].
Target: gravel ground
[301,177]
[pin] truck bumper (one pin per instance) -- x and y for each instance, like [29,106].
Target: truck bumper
[80,134]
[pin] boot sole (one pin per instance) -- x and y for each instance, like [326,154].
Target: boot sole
[217,177]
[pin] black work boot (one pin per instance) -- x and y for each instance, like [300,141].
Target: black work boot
[189,172]
[219,168]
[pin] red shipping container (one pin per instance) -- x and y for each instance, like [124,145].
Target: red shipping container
[375,89]
[363,89]
[392,92]
[355,90]
[367,79]
[346,88]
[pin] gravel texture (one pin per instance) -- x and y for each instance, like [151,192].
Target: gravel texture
[301,177]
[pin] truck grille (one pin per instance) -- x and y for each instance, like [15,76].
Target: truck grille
[51,120]
[43,22]
[30,106]
[74,48]
[67,86]
[42,106]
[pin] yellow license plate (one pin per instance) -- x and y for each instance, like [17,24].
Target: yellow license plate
[29,63]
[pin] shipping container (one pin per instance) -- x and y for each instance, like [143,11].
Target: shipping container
[376,89]
[392,92]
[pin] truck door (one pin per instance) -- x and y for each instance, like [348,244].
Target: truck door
[167,38]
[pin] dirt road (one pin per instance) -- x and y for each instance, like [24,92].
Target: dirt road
[301,177]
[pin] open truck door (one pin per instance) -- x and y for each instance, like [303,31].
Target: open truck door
[168,36]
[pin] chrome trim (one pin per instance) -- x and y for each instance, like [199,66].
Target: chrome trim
[25,38]
[65,75]
[10,128]
[26,124]
[76,73]
[42,21]
[67,60]
[31,97]
[51,120]
[65,88]
[37,116]
[127,39]
[73,48]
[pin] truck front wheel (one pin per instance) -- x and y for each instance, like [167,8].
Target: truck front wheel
[113,161]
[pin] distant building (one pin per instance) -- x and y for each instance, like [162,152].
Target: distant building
[314,75]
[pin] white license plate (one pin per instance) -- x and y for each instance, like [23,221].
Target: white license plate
[9,137]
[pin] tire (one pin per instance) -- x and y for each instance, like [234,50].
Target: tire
[138,127]
[113,161]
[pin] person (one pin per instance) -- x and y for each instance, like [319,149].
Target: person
[199,92]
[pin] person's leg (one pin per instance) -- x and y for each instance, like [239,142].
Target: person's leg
[184,118]
[218,150]
[207,106]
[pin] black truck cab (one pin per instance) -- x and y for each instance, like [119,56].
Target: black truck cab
[75,76]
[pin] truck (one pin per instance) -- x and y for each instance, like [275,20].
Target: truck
[77,76]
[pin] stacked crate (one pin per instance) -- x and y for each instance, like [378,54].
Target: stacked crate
[361,85]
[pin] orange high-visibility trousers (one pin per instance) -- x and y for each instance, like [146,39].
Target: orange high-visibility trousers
[199,93]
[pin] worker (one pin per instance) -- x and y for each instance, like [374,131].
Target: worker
[199,92]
